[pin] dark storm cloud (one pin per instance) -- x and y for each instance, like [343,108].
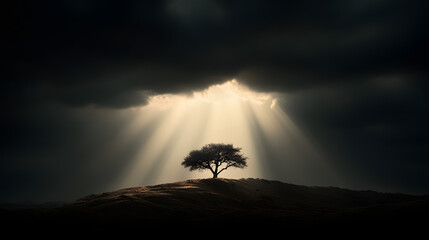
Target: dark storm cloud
[354,73]
[108,54]
[374,132]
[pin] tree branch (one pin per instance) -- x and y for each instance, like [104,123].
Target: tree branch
[227,166]
[210,168]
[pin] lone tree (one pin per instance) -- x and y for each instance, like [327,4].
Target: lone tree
[216,158]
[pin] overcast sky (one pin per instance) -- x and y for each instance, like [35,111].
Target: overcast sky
[352,74]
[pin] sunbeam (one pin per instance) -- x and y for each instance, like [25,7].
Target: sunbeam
[223,113]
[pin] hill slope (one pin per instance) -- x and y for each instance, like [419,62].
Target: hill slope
[246,201]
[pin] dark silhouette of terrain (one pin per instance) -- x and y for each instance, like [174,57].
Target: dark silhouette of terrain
[230,202]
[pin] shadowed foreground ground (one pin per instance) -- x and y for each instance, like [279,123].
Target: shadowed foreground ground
[219,202]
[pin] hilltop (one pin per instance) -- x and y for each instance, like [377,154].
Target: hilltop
[243,201]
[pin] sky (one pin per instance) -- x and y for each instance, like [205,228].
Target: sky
[101,95]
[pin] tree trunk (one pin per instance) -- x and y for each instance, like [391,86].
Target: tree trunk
[215,172]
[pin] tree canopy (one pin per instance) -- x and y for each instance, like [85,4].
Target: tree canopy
[216,158]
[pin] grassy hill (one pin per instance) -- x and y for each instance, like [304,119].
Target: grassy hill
[247,202]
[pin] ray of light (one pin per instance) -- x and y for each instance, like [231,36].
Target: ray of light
[223,113]
[285,143]
[144,164]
